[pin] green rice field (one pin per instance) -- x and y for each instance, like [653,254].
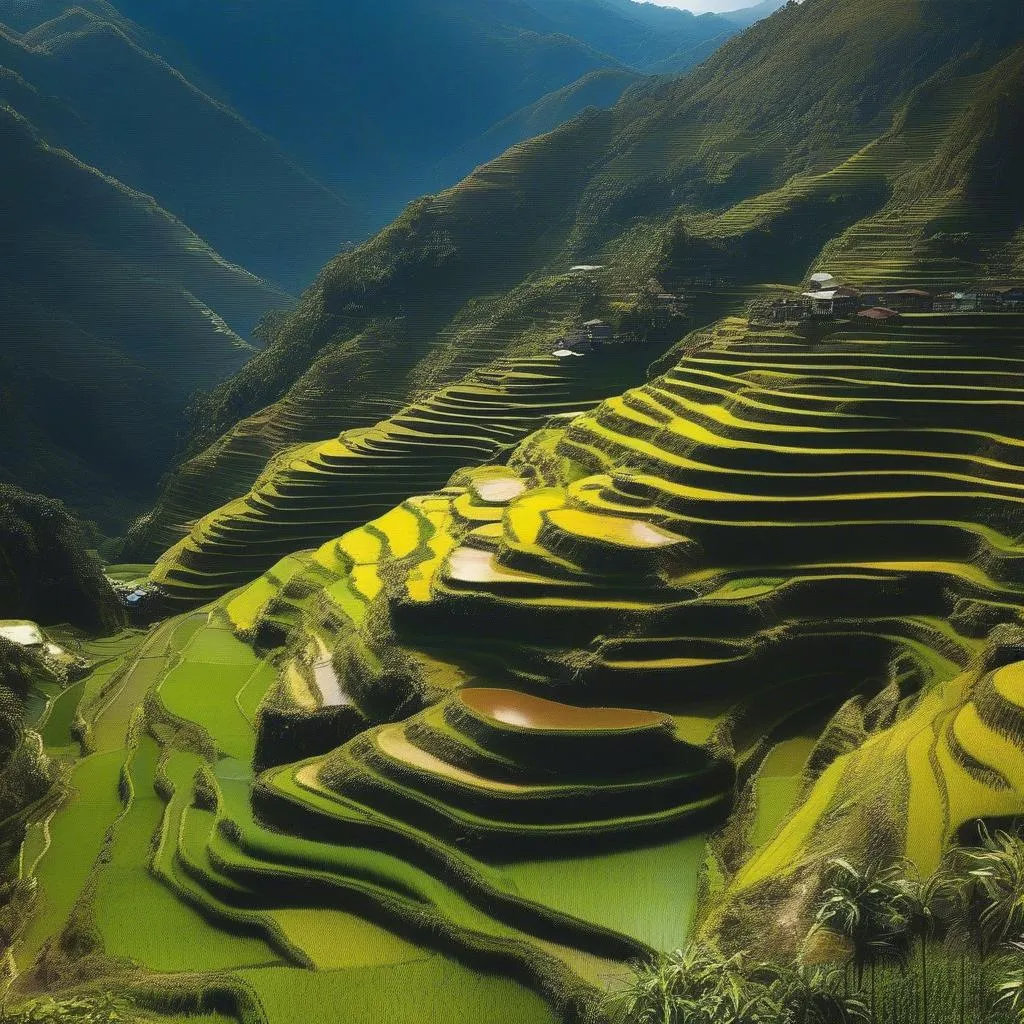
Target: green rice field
[470,758]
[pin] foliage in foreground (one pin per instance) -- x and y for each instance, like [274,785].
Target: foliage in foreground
[697,987]
[946,948]
[101,1008]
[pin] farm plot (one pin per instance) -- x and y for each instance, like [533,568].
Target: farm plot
[649,893]
[76,835]
[314,493]
[436,989]
[170,936]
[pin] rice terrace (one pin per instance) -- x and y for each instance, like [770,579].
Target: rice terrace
[512,513]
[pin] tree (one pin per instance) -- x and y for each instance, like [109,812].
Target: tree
[924,902]
[998,865]
[700,987]
[660,988]
[869,907]
[696,986]
[977,899]
[811,995]
[1010,992]
[981,893]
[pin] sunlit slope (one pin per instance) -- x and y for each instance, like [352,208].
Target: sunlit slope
[577,650]
[312,493]
[159,817]
[953,216]
[751,168]
[764,530]
[953,757]
[847,506]
[757,534]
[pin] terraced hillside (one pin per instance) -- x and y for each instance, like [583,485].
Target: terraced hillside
[472,750]
[707,525]
[314,492]
[749,169]
[909,787]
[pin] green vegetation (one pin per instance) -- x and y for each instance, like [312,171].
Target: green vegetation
[545,692]
[93,392]
[494,724]
[45,572]
[697,986]
[64,64]
[687,181]
[315,492]
[444,78]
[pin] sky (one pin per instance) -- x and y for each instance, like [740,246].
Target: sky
[703,6]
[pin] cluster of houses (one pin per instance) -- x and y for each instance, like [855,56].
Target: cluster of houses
[592,334]
[141,600]
[584,338]
[828,298]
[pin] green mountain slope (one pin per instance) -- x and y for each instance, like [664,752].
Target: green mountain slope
[746,170]
[115,313]
[90,87]
[747,16]
[499,725]
[601,88]
[642,36]
[375,97]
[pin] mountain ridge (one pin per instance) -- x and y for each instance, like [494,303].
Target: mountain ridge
[513,53]
[205,164]
[87,380]
[636,188]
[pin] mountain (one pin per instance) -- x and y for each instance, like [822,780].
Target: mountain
[642,36]
[115,313]
[747,16]
[746,170]
[386,91]
[601,88]
[89,88]
[87,82]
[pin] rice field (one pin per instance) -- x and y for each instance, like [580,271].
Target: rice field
[316,492]
[171,936]
[434,989]
[76,834]
[485,733]
[649,894]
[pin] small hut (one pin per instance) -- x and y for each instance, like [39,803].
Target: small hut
[822,281]
[833,302]
[878,314]
[909,300]
[598,332]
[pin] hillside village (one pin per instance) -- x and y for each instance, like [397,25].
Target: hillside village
[824,298]
[829,299]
